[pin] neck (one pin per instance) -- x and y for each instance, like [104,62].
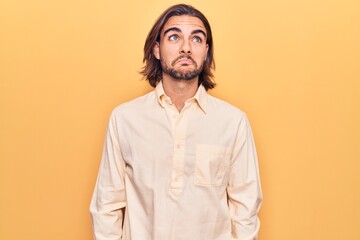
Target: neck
[179,90]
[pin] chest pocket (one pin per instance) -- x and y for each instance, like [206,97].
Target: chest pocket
[211,166]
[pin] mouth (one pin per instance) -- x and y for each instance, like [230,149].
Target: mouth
[184,60]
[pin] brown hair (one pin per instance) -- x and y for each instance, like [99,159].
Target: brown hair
[152,71]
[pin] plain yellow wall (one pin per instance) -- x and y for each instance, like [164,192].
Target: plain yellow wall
[292,66]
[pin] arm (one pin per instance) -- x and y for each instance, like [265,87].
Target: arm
[109,201]
[244,190]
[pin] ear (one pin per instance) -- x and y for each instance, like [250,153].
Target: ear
[156,50]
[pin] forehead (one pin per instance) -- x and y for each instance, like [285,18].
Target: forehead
[184,21]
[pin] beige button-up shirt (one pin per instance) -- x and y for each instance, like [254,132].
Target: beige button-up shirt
[169,175]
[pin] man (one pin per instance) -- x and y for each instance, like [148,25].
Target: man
[178,164]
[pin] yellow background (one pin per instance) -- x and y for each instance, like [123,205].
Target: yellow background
[292,66]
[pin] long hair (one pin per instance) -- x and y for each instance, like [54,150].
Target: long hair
[152,71]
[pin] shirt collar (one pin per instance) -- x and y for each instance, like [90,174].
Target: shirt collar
[200,96]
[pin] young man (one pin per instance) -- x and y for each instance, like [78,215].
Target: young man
[178,164]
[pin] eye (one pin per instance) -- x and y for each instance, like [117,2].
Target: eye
[197,39]
[174,37]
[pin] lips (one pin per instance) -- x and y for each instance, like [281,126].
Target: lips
[184,60]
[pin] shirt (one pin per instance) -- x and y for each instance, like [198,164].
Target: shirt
[170,175]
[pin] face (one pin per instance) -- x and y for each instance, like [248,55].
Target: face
[182,48]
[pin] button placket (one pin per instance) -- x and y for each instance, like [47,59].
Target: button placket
[177,175]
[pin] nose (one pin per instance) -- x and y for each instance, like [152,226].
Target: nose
[185,47]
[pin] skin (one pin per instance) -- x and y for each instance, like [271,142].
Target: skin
[181,37]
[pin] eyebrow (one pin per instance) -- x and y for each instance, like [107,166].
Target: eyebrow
[175,29]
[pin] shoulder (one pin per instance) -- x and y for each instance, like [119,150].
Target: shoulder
[219,106]
[134,106]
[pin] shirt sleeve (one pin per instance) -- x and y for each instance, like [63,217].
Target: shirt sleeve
[108,201]
[244,189]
